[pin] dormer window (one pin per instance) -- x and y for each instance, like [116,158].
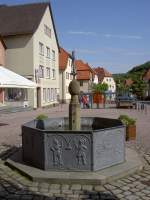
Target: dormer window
[47,31]
[41,48]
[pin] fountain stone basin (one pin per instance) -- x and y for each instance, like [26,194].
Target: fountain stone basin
[99,144]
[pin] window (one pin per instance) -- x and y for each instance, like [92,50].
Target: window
[47,72]
[48,94]
[52,94]
[67,75]
[47,52]
[53,54]
[47,31]
[53,73]
[81,83]
[41,71]
[41,49]
[55,94]
[44,94]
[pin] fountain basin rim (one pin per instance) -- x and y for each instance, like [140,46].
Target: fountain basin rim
[60,120]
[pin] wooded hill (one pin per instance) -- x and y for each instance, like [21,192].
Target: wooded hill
[136,75]
[140,68]
[137,70]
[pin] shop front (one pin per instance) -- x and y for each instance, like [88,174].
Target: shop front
[14,89]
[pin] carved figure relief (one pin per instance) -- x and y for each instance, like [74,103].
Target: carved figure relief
[57,152]
[81,149]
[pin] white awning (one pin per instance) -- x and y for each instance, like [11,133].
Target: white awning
[9,79]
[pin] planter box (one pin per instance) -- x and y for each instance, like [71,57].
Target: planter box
[131,132]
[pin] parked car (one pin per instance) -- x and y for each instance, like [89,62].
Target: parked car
[125,101]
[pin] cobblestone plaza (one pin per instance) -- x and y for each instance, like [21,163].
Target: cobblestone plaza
[13,185]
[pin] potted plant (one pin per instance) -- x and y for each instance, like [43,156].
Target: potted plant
[130,124]
[40,121]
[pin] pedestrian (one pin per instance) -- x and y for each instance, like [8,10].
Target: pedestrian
[85,101]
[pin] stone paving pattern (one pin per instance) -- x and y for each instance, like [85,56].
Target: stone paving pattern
[14,186]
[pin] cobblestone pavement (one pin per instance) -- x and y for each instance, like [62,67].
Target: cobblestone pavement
[14,186]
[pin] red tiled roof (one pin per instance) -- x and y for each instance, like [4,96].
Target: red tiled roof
[80,65]
[83,75]
[101,72]
[83,70]
[147,75]
[128,82]
[63,59]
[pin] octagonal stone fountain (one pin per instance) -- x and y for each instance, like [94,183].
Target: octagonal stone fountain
[74,143]
[97,145]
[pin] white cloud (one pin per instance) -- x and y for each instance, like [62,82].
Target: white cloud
[106,35]
[136,37]
[82,33]
[112,51]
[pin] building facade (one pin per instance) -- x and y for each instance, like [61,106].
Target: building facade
[33,50]
[2,62]
[85,76]
[105,77]
[65,77]
[2,52]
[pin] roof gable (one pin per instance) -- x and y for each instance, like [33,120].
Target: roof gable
[63,59]
[80,65]
[83,75]
[21,19]
[84,71]
[101,73]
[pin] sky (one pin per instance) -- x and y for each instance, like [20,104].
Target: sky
[114,34]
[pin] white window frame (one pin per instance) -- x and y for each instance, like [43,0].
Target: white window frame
[44,95]
[47,52]
[47,31]
[48,72]
[41,48]
[48,94]
[52,94]
[53,55]
[41,71]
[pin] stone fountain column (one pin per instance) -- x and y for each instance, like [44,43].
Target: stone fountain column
[74,106]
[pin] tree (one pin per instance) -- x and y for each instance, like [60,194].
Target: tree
[139,88]
[100,88]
